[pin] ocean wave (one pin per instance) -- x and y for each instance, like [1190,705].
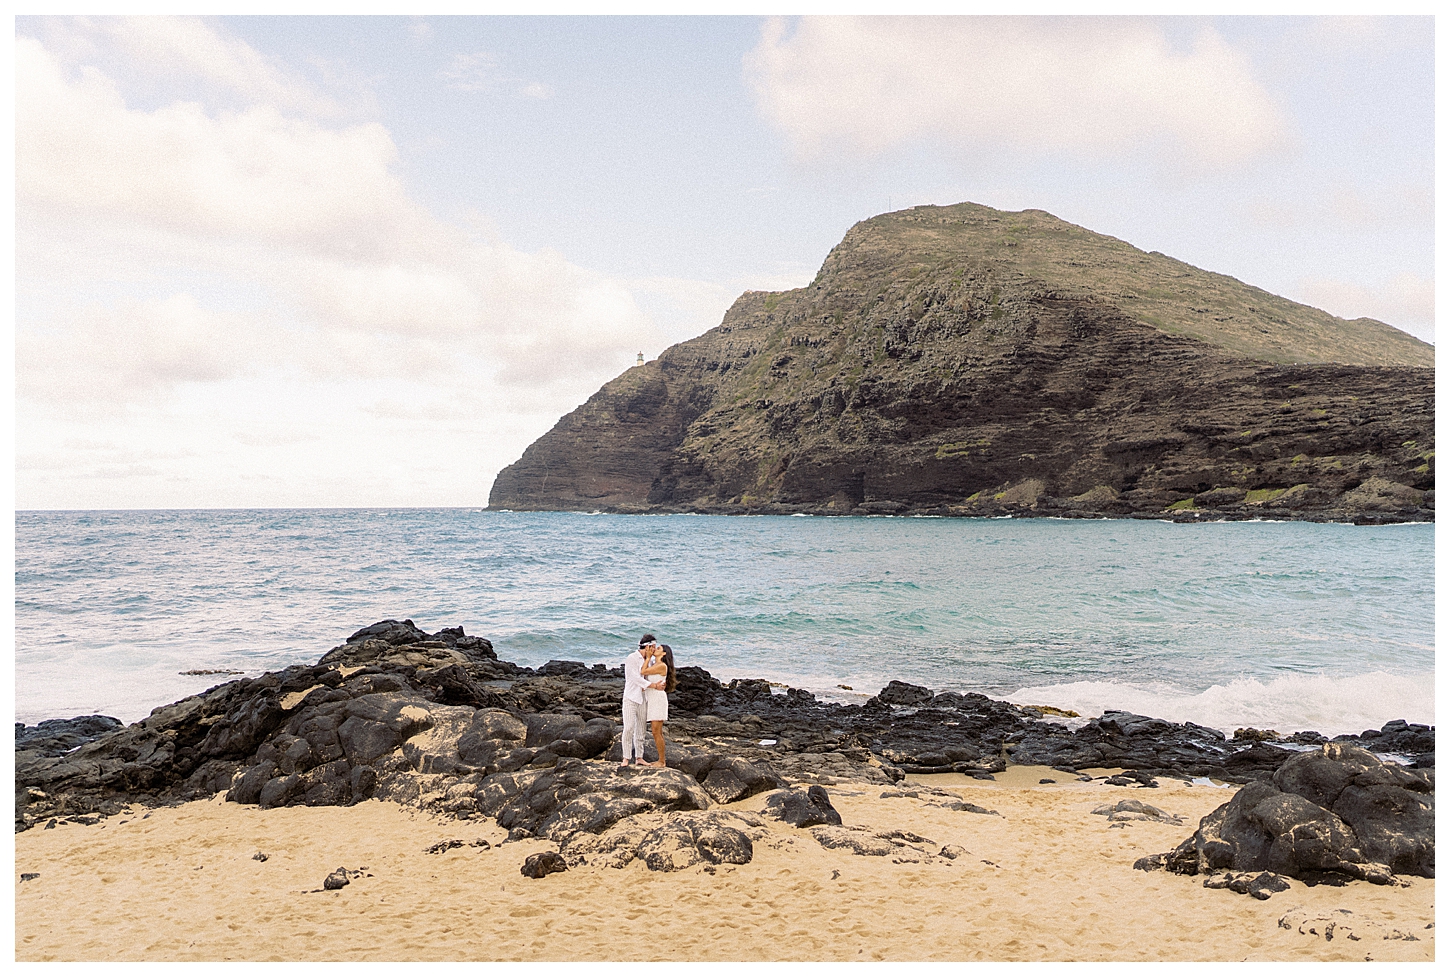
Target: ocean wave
[1330,705]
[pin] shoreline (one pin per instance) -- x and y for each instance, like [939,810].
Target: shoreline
[894,510]
[468,808]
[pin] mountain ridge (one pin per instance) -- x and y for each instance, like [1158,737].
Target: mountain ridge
[961,360]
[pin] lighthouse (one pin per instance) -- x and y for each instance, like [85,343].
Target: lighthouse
[640,361]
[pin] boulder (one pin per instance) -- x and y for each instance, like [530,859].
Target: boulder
[802,808]
[452,685]
[1390,809]
[901,694]
[491,733]
[543,863]
[1338,809]
[728,779]
[248,790]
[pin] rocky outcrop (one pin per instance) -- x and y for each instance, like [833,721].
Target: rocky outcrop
[670,844]
[1336,810]
[966,361]
[437,721]
[57,737]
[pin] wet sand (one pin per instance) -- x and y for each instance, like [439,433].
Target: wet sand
[1045,880]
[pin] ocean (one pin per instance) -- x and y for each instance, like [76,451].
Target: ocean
[1274,625]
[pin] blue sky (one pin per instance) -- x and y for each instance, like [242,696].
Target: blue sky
[365,261]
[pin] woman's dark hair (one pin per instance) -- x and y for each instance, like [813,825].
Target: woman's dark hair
[646,640]
[669,657]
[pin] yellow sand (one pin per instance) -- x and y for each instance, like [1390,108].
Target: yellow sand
[1046,881]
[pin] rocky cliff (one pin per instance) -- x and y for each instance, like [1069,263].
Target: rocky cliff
[967,361]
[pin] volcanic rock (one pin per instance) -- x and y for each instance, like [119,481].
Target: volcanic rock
[728,779]
[1260,886]
[543,863]
[379,717]
[1131,810]
[669,843]
[56,737]
[1338,809]
[901,845]
[802,808]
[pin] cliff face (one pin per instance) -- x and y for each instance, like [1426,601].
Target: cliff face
[966,361]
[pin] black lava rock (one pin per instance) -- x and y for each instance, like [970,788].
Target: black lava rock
[1338,809]
[543,863]
[802,808]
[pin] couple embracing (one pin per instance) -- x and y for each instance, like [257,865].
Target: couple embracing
[649,677]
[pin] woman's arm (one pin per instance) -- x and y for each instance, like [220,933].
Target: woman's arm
[658,668]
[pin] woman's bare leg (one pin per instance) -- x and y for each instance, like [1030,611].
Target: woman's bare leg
[657,727]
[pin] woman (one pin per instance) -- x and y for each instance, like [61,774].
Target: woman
[659,669]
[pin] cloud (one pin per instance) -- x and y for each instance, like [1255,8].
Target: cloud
[255,174]
[187,49]
[1091,87]
[310,221]
[256,290]
[1406,301]
[136,350]
[481,72]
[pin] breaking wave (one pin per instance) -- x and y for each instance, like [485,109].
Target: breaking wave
[1330,705]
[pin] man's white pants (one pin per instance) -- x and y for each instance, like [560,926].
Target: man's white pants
[635,720]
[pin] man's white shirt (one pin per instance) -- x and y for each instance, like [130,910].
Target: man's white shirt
[634,682]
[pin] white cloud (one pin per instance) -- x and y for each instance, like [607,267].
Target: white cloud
[187,47]
[1095,87]
[244,284]
[256,175]
[136,350]
[1406,301]
[314,216]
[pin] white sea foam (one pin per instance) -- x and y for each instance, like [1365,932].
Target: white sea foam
[1331,705]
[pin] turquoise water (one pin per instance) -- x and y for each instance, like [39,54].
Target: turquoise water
[1270,624]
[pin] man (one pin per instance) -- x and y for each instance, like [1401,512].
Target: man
[631,744]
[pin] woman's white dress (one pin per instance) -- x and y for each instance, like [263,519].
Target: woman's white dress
[656,701]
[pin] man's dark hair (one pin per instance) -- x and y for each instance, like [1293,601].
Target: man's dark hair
[646,640]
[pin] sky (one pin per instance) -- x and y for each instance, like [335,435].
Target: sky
[341,261]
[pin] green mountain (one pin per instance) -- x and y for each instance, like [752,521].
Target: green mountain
[967,361]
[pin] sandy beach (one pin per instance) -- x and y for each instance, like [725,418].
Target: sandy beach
[1044,880]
